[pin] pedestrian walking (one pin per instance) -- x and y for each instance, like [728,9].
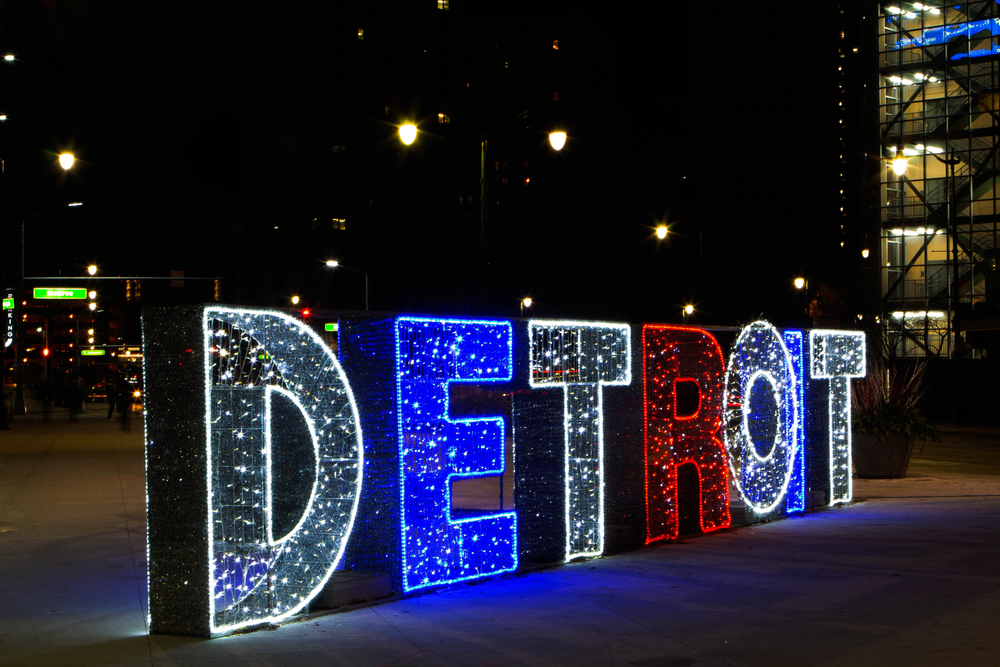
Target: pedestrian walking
[111,389]
[125,406]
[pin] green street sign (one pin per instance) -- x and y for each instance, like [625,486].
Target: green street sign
[8,304]
[92,353]
[331,326]
[60,293]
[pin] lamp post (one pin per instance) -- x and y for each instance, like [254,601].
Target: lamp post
[557,140]
[66,161]
[525,303]
[334,264]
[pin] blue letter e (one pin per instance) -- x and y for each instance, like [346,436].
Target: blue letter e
[434,448]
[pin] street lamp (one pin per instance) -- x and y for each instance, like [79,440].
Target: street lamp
[92,269]
[334,264]
[800,283]
[407,133]
[525,303]
[66,161]
[557,140]
[661,232]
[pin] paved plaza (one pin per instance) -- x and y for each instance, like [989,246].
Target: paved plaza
[906,575]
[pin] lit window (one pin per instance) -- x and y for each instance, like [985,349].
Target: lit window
[555,44]
[443,4]
[555,97]
[444,118]
[340,223]
[527,180]
[361,33]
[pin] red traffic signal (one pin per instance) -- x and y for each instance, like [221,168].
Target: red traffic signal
[45,352]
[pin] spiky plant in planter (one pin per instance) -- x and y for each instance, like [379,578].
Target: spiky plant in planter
[887,420]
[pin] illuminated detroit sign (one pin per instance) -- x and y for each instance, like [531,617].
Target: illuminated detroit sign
[267,469]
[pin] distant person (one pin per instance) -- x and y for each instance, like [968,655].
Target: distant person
[125,405]
[4,426]
[44,397]
[74,397]
[111,389]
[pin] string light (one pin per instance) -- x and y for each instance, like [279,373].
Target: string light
[838,356]
[275,394]
[255,360]
[760,361]
[673,355]
[796,495]
[581,358]
[441,545]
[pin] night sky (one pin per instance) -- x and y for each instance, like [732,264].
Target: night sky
[201,129]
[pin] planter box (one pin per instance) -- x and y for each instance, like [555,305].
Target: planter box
[886,459]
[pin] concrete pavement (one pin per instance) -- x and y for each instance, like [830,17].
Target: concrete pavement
[907,577]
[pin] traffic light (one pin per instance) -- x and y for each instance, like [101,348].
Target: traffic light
[305,314]
[45,352]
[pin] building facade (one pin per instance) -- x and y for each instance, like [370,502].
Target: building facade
[937,209]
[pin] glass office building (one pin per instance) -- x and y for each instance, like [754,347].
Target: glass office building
[939,107]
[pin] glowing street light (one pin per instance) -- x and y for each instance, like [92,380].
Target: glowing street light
[66,160]
[295,300]
[557,140]
[661,232]
[407,133]
[92,269]
[688,309]
[800,283]
[525,303]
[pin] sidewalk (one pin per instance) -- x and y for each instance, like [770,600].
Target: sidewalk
[907,577]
